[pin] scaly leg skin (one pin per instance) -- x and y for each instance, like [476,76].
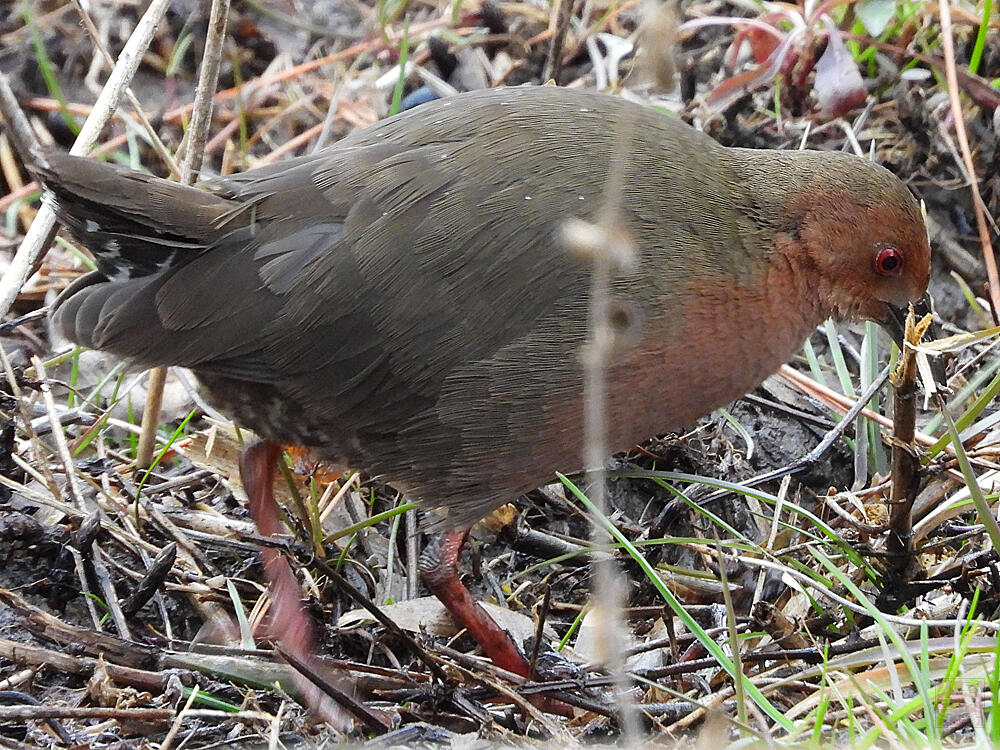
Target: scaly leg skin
[439,569]
[290,626]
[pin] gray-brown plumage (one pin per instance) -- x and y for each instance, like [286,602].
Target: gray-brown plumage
[402,302]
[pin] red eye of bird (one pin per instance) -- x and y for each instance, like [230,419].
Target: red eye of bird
[889,261]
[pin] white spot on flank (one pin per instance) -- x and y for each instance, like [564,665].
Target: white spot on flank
[580,197]
[92,226]
[527,197]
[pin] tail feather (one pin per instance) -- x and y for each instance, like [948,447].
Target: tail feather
[134,224]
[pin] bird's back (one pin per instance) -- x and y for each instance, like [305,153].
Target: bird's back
[402,300]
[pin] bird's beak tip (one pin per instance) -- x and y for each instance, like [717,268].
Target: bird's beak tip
[895,321]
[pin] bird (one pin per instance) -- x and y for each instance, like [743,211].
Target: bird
[403,301]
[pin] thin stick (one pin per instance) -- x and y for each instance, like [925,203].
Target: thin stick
[554,58]
[611,251]
[17,124]
[154,139]
[905,462]
[963,143]
[201,116]
[150,418]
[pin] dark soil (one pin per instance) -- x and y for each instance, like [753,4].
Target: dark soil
[186,635]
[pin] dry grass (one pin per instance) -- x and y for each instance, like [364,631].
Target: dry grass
[795,571]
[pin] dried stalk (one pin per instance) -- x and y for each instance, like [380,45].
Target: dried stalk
[905,462]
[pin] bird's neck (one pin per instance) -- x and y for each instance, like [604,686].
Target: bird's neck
[792,209]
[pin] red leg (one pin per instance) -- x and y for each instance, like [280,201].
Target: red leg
[289,624]
[439,568]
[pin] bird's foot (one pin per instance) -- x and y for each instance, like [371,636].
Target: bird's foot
[439,569]
[290,626]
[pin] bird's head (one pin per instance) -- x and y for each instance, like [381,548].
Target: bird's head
[867,244]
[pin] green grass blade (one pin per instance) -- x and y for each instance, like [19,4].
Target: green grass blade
[674,603]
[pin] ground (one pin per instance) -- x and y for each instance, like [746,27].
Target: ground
[805,582]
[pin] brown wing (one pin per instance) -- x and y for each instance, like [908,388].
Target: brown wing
[406,288]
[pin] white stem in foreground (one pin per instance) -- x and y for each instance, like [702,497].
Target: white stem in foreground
[609,582]
[610,249]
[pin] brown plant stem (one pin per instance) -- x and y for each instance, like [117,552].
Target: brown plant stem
[905,461]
